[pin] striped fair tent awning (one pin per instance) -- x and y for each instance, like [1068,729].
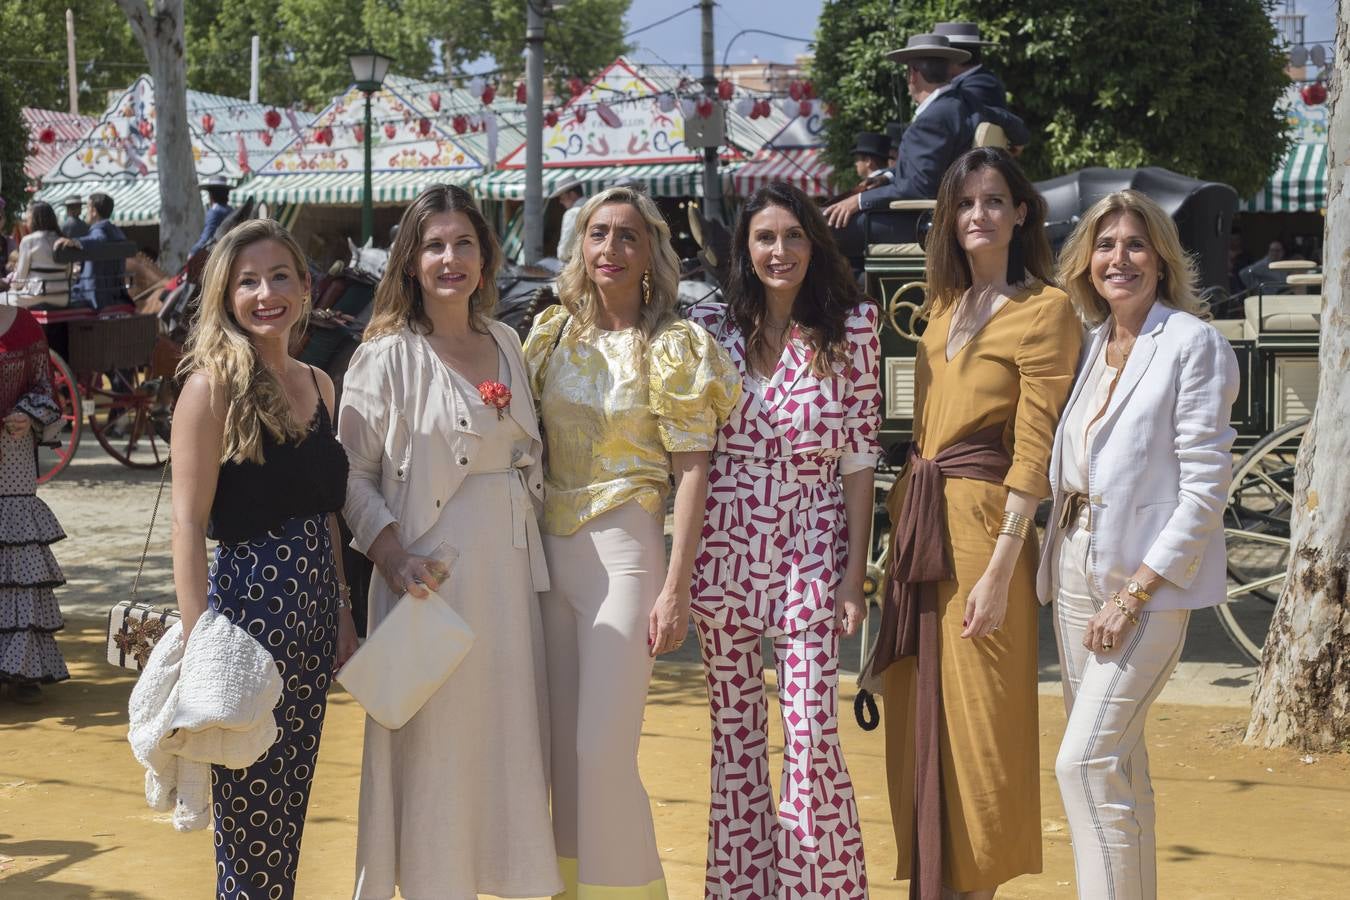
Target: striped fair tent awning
[135,202]
[659,180]
[801,167]
[346,188]
[1298,185]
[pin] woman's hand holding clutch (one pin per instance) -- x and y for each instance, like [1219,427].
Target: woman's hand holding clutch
[405,572]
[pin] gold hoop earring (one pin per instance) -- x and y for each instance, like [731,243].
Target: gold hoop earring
[646,287]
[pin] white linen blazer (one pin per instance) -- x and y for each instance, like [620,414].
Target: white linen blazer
[408,449]
[1159,465]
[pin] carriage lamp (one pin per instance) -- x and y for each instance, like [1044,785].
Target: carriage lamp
[368,70]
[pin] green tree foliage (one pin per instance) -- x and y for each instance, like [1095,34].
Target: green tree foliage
[1187,85]
[304,43]
[33,51]
[13,149]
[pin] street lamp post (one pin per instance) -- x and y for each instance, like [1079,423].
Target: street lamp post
[368,70]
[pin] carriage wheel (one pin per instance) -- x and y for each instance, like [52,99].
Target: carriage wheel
[51,460]
[878,558]
[1257,535]
[130,417]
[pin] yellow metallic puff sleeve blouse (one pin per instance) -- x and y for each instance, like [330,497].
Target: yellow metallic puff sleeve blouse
[611,419]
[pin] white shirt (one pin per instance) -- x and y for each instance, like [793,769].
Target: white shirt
[928,101]
[1079,426]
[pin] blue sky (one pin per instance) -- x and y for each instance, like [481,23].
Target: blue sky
[678,41]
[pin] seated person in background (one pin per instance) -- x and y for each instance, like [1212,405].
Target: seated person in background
[37,279]
[102,282]
[1259,276]
[972,77]
[218,190]
[943,127]
[870,152]
[74,226]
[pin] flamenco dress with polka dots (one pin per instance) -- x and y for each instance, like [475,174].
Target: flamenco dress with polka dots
[273,575]
[29,616]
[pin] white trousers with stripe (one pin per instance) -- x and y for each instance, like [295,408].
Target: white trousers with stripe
[1102,766]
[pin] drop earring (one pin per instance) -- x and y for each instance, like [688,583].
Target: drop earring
[646,287]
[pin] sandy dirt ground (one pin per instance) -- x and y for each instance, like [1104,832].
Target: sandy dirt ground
[1233,822]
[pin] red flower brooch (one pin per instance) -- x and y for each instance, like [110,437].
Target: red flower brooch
[496,395]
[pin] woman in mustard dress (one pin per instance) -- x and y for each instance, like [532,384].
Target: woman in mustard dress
[957,649]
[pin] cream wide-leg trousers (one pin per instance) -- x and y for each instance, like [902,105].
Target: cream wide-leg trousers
[606,577]
[1102,766]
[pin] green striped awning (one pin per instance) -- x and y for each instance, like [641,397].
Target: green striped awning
[660,180]
[135,202]
[346,188]
[1298,185]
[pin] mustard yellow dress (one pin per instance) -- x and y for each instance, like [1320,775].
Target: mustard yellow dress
[1017,371]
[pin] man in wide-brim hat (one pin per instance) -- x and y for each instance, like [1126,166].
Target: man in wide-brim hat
[972,76]
[942,128]
[217,189]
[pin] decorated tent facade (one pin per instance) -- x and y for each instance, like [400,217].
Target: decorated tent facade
[1299,183]
[413,145]
[793,155]
[118,155]
[628,125]
[51,135]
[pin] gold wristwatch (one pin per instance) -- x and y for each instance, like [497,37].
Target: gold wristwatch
[1136,590]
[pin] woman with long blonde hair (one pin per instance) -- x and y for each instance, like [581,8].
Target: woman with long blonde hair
[1135,542]
[439,427]
[629,395]
[256,467]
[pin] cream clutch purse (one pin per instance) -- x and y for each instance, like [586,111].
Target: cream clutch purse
[409,655]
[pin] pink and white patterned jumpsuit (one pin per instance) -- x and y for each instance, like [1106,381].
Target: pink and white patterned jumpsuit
[773,551]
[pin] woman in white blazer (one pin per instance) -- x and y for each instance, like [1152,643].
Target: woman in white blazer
[37,278]
[1140,474]
[443,448]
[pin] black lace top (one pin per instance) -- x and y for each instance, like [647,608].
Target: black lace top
[300,479]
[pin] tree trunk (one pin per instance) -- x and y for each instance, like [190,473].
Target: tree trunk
[158,27]
[1303,692]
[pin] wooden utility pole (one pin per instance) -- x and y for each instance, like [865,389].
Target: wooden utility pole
[70,64]
[1303,693]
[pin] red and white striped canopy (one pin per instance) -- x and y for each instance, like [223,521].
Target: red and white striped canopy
[69,130]
[802,167]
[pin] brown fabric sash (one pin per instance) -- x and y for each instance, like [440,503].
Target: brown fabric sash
[909,624]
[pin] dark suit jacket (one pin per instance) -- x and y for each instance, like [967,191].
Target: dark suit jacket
[933,141]
[101,283]
[984,86]
[215,214]
[74,228]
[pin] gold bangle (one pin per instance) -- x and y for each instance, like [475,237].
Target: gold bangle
[1120,605]
[1016,524]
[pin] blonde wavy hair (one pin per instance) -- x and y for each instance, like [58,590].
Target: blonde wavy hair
[578,292]
[398,297]
[1179,281]
[220,348]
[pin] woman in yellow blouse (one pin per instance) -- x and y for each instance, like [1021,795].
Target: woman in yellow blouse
[958,629]
[628,395]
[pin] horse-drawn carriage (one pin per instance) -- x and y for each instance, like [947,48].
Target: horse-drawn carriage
[1275,338]
[109,371]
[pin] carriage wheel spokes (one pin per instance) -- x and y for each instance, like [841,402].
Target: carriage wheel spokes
[1257,536]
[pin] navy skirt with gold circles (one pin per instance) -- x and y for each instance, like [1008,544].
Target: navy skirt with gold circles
[282,589]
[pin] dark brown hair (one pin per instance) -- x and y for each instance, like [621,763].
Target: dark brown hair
[828,291]
[44,217]
[947,269]
[398,297]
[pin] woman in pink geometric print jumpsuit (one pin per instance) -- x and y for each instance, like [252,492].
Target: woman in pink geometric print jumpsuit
[783,552]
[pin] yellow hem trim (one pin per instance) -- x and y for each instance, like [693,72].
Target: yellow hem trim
[574,890]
